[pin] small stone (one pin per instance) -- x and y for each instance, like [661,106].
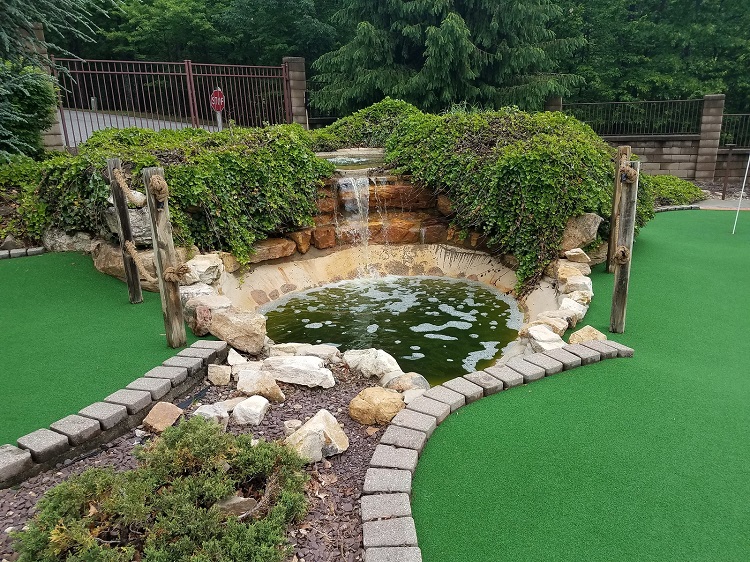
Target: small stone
[375,405]
[543,339]
[219,375]
[230,404]
[236,505]
[587,333]
[251,383]
[235,358]
[577,283]
[557,325]
[241,329]
[290,426]
[577,255]
[370,362]
[581,297]
[251,411]
[215,413]
[306,371]
[162,416]
[578,309]
[319,437]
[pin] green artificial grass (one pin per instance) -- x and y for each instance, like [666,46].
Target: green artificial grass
[69,337]
[630,459]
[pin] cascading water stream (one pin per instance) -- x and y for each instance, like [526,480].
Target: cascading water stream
[355,192]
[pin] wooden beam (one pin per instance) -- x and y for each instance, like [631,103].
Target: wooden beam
[623,155]
[125,233]
[165,257]
[623,254]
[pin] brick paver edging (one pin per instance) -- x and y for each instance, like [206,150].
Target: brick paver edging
[21,253]
[104,421]
[677,208]
[389,534]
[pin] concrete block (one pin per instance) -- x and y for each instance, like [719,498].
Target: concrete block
[38,251]
[19,253]
[472,392]
[551,366]
[175,375]
[387,480]
[207,355]
[192,364]
[4,254]
[438,410]
[606,351]
[78,429]
[442,394]
[508,376]
[587,355]
[133,400]
[385,506]
[15,461]
[622,350]
[490,385]
[416,421]
[44,444]
[108,415]
[157,387]
[220,347]
[529,371]
[394,554]
[386,456]
[389,532]
[404,437]
[568,360]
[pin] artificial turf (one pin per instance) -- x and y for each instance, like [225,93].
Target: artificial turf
[630,459]
[69,337]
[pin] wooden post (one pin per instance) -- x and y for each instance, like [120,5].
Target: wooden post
[125,233]
[164,257]
[623,253]
[623,155]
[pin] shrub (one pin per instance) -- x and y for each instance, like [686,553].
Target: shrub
[671,190]
[164,511]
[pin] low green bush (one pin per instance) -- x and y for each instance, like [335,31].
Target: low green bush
[164,511]
[671,190]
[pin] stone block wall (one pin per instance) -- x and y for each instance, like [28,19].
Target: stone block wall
[737,164]
[675,155]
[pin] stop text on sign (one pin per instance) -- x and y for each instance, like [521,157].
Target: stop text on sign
[217,100]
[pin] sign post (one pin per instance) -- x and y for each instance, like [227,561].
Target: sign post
[217,104]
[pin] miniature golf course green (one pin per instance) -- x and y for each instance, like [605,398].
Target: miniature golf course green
[629,459]
[69,337]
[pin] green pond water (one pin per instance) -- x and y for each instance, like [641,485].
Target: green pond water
[438,327]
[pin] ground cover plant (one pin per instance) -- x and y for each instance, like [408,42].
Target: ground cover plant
[671,190]
[165,510]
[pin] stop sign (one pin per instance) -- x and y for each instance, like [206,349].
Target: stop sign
[217,100]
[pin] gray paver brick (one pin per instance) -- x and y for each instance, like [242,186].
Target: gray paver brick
[489,384]
[472,392]
[133,400]
[529,371]
[108,415]
[508,376]
[385,506]
[550,366]
[622,350]
[14,461]
[21,252]
[44,444]
[442,394]
[220,347]
[4,254]
[77,429]
[390,532]
[175,375]
[393,554]
[424,405]
[387,480]
[37,251]
[404,437]
[157,387]
[587,355]
[568,360]
[386,456]
[606,351]
[192,364]
[415,420]
[205,354]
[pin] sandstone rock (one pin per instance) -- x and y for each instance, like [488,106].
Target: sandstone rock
[580,231]
[252,383]
[577,283]
[582,297]
[215,413]
[376,405]
[306,371]
[396,193]
[542,338]
[140,224]
[587,333]
[207,267]
[231,403]
[288,349]
[398,230]
[246,366]
[434,232]
[583,268]
[410,395]
[408,381]
[302,238]
[564,273]
[370,362]
[579,309]
[200,321]
[162,416]
[236,505]
[272,249]
[324,237]
[197,290]
[234,358]
[328,201]
[328,353]
[290,426]
[243,330]
[219,375]
[569,316]
[251,411]
[213,301]
[56,240]
[444,205]
[230,262]
[577,255]
[557,325]
[199,311]
[320,437]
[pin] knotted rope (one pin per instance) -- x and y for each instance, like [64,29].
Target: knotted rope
[159,188]
[628,174]
[120,179]
[174,274]
[130,249]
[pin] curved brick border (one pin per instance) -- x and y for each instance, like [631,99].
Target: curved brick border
[389,534]
[677,208]
[103,421]
[21,252]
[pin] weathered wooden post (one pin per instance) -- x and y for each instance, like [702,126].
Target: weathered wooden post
[125,232]
[624,250]
[165,257]
[623,156]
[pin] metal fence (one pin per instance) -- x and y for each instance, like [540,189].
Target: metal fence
[97,94]
[673,117]
[735,129]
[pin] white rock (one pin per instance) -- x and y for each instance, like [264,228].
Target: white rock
[290,426]
[577,308]
[288,349]
[243,330]
[219,375]
[580,231]
[577,255]
[214,412]
[370,362]
[582,297]
[389,376]
[413,394]
[234,358]
[252,382]
[577,283]
[251,411]
[320,437]
[230,403]
[544,339]
[306,371]
[328,353]
[408,381]
[56,240]
[246,366]
[189,292]
[207,267]
[140,224]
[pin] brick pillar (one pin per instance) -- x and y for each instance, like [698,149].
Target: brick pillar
[708,149]
[553,104]
[52,138]
[297,87]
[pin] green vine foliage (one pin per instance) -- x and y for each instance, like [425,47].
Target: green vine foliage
[164,511]
[671,190]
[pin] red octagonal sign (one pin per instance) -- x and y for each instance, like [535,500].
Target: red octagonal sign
[217,100]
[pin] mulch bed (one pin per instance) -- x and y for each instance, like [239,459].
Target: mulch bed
[332,529]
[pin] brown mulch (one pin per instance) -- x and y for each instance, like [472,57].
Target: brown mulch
[332,529]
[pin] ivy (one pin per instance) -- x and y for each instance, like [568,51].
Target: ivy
[671,190]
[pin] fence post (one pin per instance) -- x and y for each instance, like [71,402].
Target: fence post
[708,149]
[622,158]
[553,103]
[297,87]
[52,138]
[624,253]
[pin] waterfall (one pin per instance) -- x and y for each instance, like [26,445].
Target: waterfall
[355,195]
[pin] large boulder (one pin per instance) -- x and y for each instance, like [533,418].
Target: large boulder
[370,362]
[140,224]
[320,437]
[56,240]
[305,371]
[206,267]
[577,255]
[580,231]
[199,311]
[376,405]
[252,382]
[243,330]
[272,249]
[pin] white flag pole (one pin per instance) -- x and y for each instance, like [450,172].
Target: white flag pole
[741,194]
